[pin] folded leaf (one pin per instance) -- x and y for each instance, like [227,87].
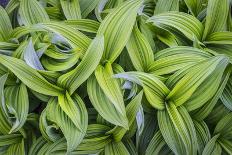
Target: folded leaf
[166,5]
[73,79]
[154,89]
[71,9]
[74,109]
[5,25]
[17,103]
[217,12]
[195,76]
[185,23]
[29,76]
[156,144]
[117,27]
[71,133]
[212,147]
[139,50]
[103,105]
[131,110]
[110,86]
[87,6]
[31,12]
[116,148]
[173,59]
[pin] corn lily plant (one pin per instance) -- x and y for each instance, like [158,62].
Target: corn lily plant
[116,77]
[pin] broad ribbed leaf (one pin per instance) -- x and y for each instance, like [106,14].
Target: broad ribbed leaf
[172,59]
[31,12]
[10,139]
[18,148]
[185,23]
[194,6]
[212,147]
[154,89]
[74,37]
[204,111]
[117,27]
[221,38]
[203,135]
[17,103]
[110,86]
[31,57]
[84,25]
[226,96]
[4,121]
[139,50]
[71,9]
[116,148]
[5,25]
[195,76]
[184,126]
[74,109]
[156,144]
[169,133]
[131,110]
[87,6]
[226,145]
[103,105]
[166,5]
[71,133]
[217,12]
[224,127]
[29,76]
[73,79]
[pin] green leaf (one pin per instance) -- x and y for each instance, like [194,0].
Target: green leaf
[4,121]
[71,133]
[5,25]
[203,135]
[87,6]
[194,6]
[139,50]
[73,79]
[154,89]
[116,148]
[194,77]
[131,110]
[212,147]
[31,12]
[71,9]
[86,25]
[103,105]
[117,27]
[219,38]
[184,126]
[170,134]
[173,59]
[226,96]
[217,12]
[10,139]
[226,145]
[74,109]
[74,37]
[224,127]
[29,76]
[166,5]
[110,86]
[156,144]
[185,23]
[17,103]
[18,148]
[204,111]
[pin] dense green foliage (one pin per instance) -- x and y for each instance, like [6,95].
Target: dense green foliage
[116,77]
